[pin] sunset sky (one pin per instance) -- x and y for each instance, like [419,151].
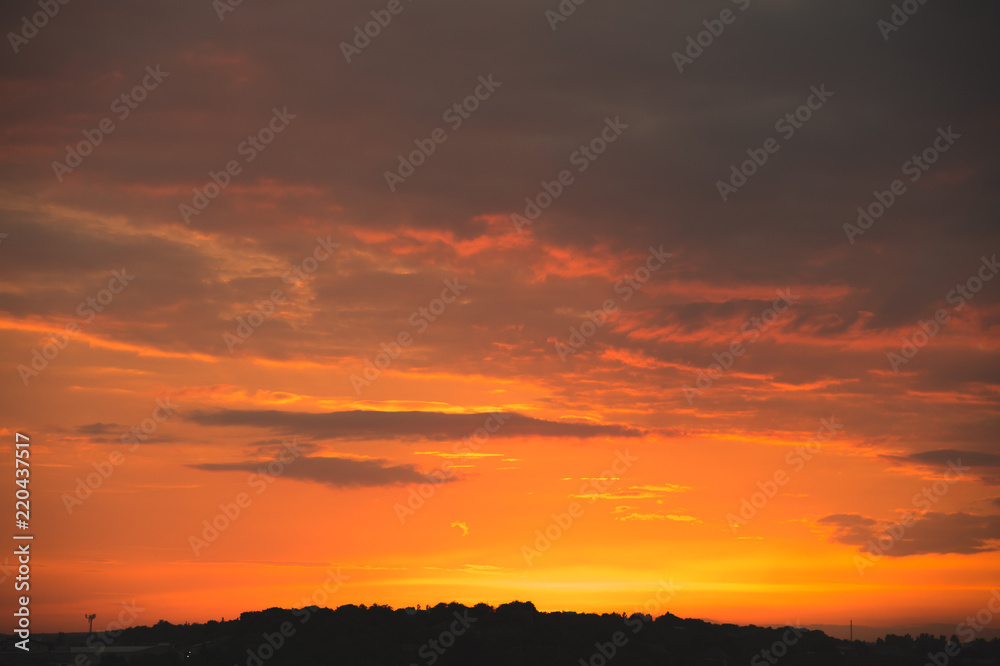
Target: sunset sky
[235,237]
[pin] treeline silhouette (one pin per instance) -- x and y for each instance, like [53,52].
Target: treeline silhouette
[515,634]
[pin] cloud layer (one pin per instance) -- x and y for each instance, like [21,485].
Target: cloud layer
[961,533]
[358,425]
[333,472]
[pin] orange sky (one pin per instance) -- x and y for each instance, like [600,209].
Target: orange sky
[592,330]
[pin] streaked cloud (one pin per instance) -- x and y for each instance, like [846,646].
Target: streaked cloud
[333,472]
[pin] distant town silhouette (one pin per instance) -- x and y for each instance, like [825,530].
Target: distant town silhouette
[511,634]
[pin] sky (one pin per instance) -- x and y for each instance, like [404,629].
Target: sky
[503,300]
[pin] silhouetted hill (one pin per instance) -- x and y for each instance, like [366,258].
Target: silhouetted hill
[509,635]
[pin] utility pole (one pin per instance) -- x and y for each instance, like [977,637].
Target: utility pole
[852,631]
[91,618]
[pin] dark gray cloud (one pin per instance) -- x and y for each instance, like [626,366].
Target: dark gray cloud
[960,533]
[334,472]
[99,428]
[980,465]
[851,527]
[947,456]
[362,425]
